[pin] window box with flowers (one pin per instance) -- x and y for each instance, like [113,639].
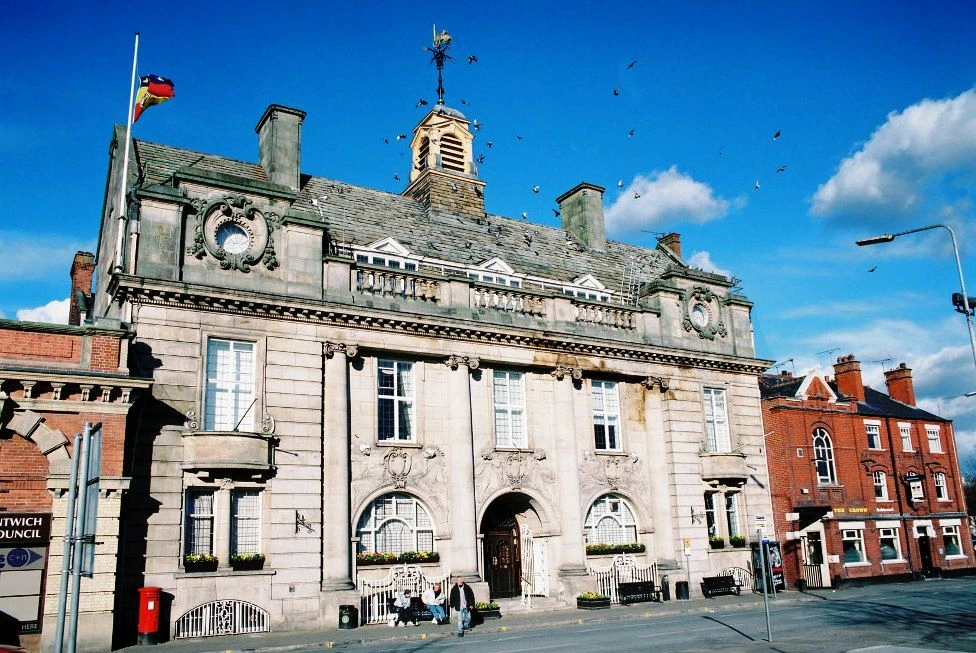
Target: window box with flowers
[737,541]
[200,562]
[247,561]
[716,542]
[592,601]
[605,549]
[364,559]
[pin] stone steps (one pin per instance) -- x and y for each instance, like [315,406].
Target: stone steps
[539,604]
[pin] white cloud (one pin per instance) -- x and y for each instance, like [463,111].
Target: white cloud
[924,156]
[828,308]
[667,196]
[37,255]
[55,312]
[703,261]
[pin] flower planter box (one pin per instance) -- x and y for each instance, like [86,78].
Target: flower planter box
[202,565]
[593,604]
[738,545]
[247,565]
[490,614]
[717,544]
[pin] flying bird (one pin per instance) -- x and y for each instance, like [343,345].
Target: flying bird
[777,134]
[756,187]
[525,215]
[636,195]
[464,102]
[620,183]
[400,137]
[616,92]
[481,158]
[396,177]
[721,151]
[630,134]
[386,140]
[535,189]
[489,144]
[477,125]
[421,102]
[632,64]
[519,137]
[873,269]
[781,169]
[472,58]
[555,212]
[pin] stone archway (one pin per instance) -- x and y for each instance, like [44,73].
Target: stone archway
[504,524]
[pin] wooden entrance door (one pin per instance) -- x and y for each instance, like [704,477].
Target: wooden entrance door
[503,564]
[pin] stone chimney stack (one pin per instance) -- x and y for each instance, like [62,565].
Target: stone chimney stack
[672,241]
[900,386]
[847,375]
[280,144]
[581,209]
[82,269]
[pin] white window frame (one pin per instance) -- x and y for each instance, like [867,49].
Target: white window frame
[732,520]
[710,522]
[230,385]
[508,398]
[197,514]
[385,260]
[855,535]
[872,430]
[606,413]
[890,533]
[481,276]
[941,487]
[880,485]
[616,511]
[245,520]
[824,454]
[952,531]
[718,434]
[905,431]
[400,510]
[403,399]
[934,436]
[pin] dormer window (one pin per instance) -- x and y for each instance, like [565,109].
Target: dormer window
[591,295]
[387,261]
[587,287]
[501,280]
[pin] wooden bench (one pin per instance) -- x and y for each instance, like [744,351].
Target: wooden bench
[712,585]
[419,608]
[638,591]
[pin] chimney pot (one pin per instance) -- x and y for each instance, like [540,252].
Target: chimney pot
[581,209]
[900,384]
[280,144]
[672,241]
[847,375]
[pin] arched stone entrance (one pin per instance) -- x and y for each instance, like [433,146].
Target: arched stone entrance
[504,524]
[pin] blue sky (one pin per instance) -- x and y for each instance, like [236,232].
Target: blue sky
[875,102]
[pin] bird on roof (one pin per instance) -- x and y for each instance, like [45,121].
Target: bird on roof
[620,183]
[632,64]
[756,187]
[454,186]
[636,195]
[777,134]
[527,238]
[535,189]
[630,134]
[421,102]
[616,92]
[400,137]
[782,168]
[481,158]
[472,58]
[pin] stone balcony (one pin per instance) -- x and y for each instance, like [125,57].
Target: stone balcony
[227,450]
[726,467]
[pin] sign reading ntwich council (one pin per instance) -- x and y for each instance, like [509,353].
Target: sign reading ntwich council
[24,539]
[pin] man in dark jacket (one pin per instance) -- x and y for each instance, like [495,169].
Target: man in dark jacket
[461,601]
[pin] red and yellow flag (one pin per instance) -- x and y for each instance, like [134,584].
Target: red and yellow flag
[153,90]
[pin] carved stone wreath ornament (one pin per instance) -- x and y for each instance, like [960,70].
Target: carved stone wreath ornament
[702,313]
[235,232]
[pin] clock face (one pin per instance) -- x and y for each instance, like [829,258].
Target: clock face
[232,238]
[699,316]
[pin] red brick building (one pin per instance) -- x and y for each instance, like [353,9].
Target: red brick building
[53,379]
[865,485]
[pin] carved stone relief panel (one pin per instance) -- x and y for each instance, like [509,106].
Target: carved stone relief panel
[613,473]
[403,469]
[513,470]
[235,233]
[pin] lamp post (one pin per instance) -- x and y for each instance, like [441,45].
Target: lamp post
[887,238]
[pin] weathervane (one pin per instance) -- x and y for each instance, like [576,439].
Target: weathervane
[442,43]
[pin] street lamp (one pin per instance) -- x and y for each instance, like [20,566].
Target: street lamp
[967,308]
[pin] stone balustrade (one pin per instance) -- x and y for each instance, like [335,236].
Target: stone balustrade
[604,315]
[395,283]
[505,299]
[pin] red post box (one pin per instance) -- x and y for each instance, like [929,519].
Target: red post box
[149,614]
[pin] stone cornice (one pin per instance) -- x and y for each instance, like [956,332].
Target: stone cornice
[202,298]
[233,182]
[77,377]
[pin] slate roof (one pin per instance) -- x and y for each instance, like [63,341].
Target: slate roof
[360,215]
[875,404]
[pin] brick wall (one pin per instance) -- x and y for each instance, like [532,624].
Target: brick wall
[61,348]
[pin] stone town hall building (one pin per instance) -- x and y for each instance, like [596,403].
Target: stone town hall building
[340,372]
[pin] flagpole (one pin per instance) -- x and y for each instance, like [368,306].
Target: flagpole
[119,264]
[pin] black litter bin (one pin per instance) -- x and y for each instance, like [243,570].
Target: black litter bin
[348,617]
[665,588]
[681,590]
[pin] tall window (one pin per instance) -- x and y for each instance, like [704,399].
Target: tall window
[950,540]
[880,486]
[394,389]
[905,431]
[610,521]
[230,386]
[606,415]
[732,513]
[941,489]
[395,523]
[716,420]
[245,521]
[874,435]
[710,514]
[823,457]
[890,543]
[935,442]
[853,545]
[199,522]
[509,397]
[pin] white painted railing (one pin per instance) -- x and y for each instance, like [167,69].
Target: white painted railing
[623,569]
[222,618]
[374,593]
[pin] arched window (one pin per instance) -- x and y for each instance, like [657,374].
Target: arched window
[610,521]
[395,523]
[823,457]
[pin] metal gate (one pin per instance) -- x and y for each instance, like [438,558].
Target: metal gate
[535,567]
[813,576]
[374,593]
[222,618]
[623,569]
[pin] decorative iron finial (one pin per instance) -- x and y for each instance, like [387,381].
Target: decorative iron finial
[442,43]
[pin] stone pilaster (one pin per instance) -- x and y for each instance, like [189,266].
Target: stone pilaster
[336,518]
[658,469]
[464,527]
[567,472]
